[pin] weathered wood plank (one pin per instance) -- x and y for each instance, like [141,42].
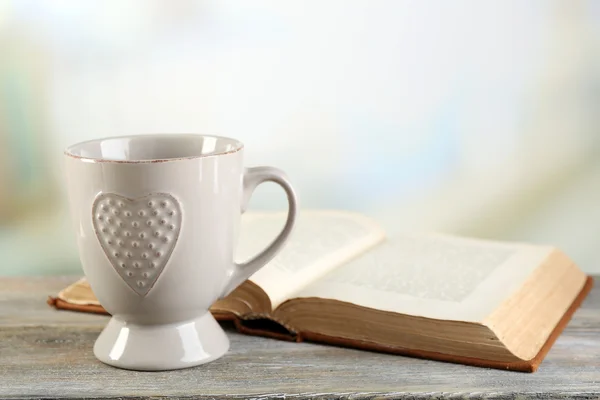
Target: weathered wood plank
[23,303]
[48,353]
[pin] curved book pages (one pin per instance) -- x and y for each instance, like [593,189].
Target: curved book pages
[341,281]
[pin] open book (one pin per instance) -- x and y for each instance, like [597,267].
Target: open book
[340,281]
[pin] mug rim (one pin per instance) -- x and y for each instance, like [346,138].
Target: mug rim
[70,150]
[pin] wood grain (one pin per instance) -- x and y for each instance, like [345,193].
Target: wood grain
[48,353]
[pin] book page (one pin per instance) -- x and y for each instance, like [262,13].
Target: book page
[321,241]
[433,276]
[79,293]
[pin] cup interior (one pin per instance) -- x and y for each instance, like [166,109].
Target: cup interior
[161,147]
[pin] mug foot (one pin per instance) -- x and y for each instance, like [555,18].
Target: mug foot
[161,347]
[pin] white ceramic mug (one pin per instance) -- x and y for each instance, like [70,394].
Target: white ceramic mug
[157,220]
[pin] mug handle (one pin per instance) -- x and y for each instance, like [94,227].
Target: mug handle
[252,178]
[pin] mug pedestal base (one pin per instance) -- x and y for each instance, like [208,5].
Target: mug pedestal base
[161,347]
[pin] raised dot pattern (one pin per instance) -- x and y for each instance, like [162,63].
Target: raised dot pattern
[137,235]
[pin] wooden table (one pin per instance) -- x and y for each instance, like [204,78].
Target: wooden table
[48,353]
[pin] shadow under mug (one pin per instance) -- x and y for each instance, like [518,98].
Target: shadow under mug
[157,220]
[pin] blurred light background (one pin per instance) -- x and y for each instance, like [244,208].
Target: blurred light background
[469,117]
